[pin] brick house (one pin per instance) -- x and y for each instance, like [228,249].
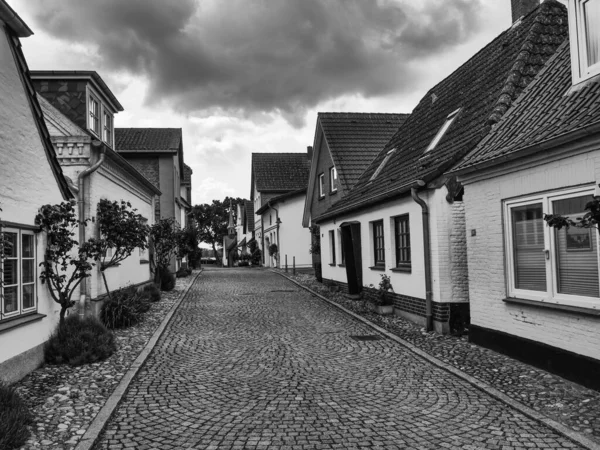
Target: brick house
[30,176]
[278,191]
[404,218]
[534,290]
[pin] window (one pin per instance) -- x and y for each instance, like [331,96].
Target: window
[378,243]
[333,180]
[584,18]
[94,115]
[558,266]
[108,128]
[342,252]
[332,247]
[402,235]
[382,165]
[440,134]
[322,185]
[19,273]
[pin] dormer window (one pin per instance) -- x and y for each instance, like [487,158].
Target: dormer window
[440,134]
[94,115]
[584,29]
[107,128]
[383,163]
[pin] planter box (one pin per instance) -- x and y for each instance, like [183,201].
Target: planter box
[383,310]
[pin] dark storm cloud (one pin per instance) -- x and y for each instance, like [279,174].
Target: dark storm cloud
[259,56]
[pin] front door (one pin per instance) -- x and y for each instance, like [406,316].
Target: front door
[352,249]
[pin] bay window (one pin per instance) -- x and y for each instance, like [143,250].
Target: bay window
[18,292]
[550,265]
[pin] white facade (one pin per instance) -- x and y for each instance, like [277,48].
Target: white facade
[488,195]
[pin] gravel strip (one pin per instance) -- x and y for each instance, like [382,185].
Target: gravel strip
[64,400]
[566,402]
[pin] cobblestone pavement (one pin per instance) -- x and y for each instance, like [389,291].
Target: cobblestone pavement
[250,361]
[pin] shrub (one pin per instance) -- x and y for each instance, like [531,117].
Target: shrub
[256,257]
[14,419]
[79,341]
[182,273]
[167,283]
[124,308]
[151,292]
[243,264]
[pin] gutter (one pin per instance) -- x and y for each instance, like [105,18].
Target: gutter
[427,253]
[12,19]
[81,213]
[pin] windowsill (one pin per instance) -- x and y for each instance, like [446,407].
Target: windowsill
[321,197]
[104,267]
[9,324]
[381,268]
[341,265]
[332,265]
[144,261]
[333,192]
[540,304]
[406,269]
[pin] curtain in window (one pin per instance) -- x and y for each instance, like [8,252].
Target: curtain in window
[591,13]
[576,251]
[528,239]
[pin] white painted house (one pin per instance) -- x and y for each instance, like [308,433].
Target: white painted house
[535,290]
[404,217]
[30,176]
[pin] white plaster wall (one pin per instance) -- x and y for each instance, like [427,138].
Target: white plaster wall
[26,183]
[486,257]
[294,239]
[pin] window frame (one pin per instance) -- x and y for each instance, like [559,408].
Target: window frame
[21,311]
[577,36]
[321,181]
[450,118]
[342,253]
[551,294]
[107,136]
[382,164]
[378,262]
[91,116]
[332,255]
[333,180]
[397,248]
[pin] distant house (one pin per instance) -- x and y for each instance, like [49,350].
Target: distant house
[30,176]
[278,191]
[404,218]
[244,225]
[186,195]
[535,290]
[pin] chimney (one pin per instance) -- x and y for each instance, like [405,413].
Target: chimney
[309,152]
[521,8]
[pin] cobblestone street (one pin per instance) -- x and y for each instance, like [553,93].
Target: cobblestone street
[251,361]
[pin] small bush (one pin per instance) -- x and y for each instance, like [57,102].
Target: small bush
[79,341]
[14,419]
[256,257]
[167,283]
[151,292]
[124,309]
[183,272]
[243,263]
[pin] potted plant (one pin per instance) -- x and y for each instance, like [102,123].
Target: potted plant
[383,303]
[273,250]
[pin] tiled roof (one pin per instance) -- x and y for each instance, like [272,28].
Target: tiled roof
[547,110]
[148,139]
[280,197]
[187,174]
[57,122]
[355,139]
[249,214]
[483,88]
[280,172]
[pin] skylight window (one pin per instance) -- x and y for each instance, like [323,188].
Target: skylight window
[383,163]
[443,130]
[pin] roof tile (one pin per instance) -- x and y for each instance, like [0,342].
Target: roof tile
[148,139]
[280,172]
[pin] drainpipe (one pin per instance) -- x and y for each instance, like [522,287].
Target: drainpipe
[277,222]
[81,211]
[427,252]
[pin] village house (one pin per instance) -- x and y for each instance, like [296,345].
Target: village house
[244,225]
[344,145]
[534,290]
[278,192]
[404,218]
[30,176]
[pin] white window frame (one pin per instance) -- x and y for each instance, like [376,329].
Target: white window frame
[20,309]
[321,185]
[94,98]
[333,179]
[442,131]
[106,112]
[382,164]
[577,36]
[551,294]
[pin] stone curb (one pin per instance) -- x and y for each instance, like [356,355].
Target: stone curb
[576,437]
[91,435]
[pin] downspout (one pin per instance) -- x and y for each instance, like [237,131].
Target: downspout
[427,253]
[277,222]
[81,212]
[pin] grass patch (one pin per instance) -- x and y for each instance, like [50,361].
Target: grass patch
[14,419]
[126,307]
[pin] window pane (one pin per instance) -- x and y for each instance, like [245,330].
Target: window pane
[28,271]
[528,240]
[591,12]
[10,271]
[11,299]
[10,245]
[28,296]
[576,256]
[27,248]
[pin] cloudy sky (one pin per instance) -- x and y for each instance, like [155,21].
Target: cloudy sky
[243,76]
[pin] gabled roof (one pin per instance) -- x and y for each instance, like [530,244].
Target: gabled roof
[280,172]
[160,140]
[355,139]
[547,111]
[483,88]
[13,21]
[279,198]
